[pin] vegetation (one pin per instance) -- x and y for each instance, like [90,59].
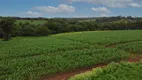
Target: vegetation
[6,26]
[133,47]
[29,58]
[35,22]
[114,71]
[104,37]
[30,26]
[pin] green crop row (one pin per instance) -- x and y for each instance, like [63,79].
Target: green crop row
[104,37]
[114,71]
[134,47]
[29,58]
[31,67]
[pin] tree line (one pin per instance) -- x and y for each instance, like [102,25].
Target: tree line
[9,27]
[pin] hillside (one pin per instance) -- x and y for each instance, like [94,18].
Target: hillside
[30,58]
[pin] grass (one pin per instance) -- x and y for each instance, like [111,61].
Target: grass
[114,71]
[28,58]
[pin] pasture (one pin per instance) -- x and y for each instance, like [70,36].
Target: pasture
[30,58]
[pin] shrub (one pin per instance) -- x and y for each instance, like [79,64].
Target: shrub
[27,29]
[42,31]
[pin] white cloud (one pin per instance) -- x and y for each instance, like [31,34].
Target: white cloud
[135,5]
[101,9]
[112,3]
[62,8]
[33,14]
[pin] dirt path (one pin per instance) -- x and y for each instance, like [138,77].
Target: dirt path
[66,75]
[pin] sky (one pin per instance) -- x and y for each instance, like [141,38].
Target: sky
[70,8]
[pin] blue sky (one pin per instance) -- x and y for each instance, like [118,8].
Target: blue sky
[70,8]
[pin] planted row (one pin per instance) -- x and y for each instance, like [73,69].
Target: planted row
[114,71]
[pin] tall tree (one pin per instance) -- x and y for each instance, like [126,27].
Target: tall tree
[7,25]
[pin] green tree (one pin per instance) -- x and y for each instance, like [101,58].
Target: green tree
[42,31]
[1,35]
[27,29]
[7,25]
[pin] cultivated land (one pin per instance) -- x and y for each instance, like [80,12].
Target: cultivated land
[31,58]
[114,71]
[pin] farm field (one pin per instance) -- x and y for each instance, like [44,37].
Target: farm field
[114,71]
[30,58]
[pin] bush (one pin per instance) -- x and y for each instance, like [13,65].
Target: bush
[42,31]
[27,29]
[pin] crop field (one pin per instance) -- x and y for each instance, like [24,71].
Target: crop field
[30,58]
[114,71]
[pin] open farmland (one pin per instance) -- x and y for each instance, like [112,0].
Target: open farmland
[30,58]
[114,71]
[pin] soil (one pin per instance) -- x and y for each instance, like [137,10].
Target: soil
[66,75]
[135,58]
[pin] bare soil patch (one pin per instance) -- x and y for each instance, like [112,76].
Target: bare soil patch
[66,75]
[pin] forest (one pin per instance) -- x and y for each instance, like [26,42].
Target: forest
[47,26]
